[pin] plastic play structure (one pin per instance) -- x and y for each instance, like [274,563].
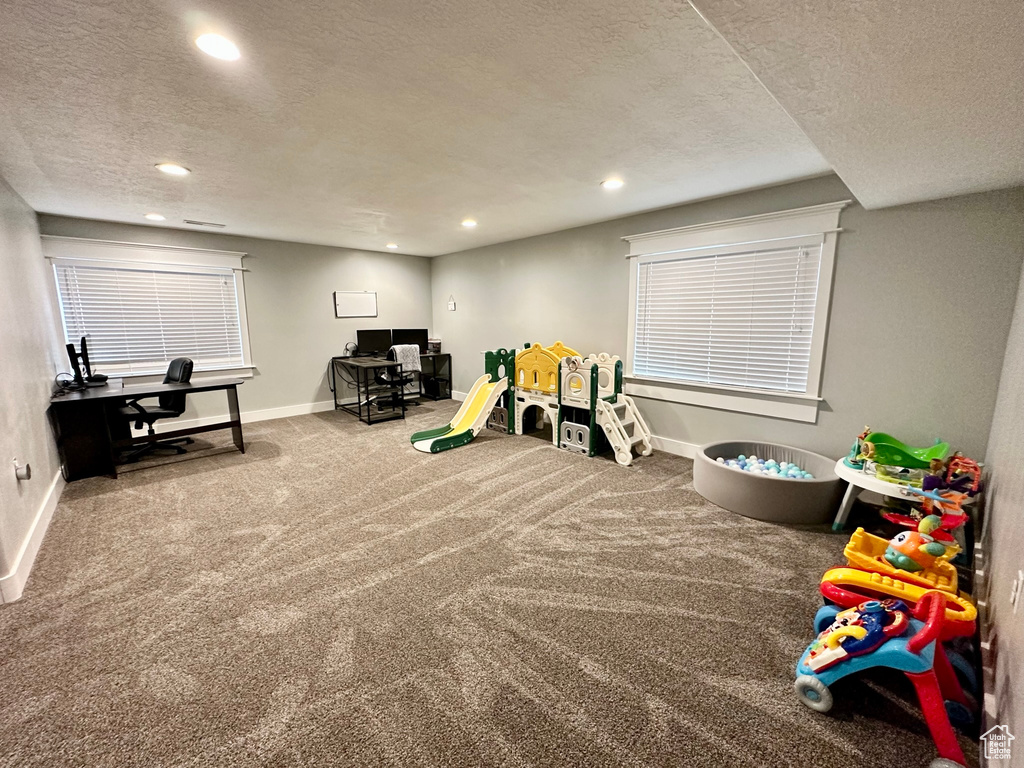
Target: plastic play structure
[582,398]
[885,449]
[887,634]
[468,422]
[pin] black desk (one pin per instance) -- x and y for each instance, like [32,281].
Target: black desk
[436,376]
[90,431]
[374,401]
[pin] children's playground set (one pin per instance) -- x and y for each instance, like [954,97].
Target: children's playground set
[581,398]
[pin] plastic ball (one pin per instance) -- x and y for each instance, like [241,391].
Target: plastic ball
[720,460]
[741,457]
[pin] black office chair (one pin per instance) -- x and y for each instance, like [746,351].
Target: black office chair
[171,406]
[387,376]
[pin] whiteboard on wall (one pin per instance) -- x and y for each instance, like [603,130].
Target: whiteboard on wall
[355,303]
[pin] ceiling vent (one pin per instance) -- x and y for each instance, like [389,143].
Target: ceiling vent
[205,224]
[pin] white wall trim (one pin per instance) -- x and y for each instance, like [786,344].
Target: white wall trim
[265,414]
[803,409]
[460,396]
[673,446]
[84,248]
[13,584]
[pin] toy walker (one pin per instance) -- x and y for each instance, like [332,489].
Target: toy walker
[888,634]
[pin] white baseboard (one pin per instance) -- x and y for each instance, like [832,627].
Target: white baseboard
[248,417]
[675,447]
[460,396]
[12,585]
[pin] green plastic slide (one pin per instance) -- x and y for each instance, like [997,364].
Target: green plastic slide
[890,451]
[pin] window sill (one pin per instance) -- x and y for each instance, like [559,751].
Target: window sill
[778,406]
[240,372]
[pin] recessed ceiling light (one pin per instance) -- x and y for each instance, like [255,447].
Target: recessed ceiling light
[218,46]
[155,217]
[392,246]
[173,169]
[612,183]
[469,223]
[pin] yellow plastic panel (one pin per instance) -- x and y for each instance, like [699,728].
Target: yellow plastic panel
[537,369]
[867,552]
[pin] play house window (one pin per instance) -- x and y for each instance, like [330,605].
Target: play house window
[733,315]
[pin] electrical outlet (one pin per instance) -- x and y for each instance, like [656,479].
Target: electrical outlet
[1015,590]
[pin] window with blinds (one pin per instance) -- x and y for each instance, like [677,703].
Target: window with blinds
[739,317]
[138,318]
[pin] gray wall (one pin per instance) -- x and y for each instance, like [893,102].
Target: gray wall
[1004,535]
[27,354]
[921,308]
[288,290]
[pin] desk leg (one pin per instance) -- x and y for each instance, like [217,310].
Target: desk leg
[852,492]
[236,418]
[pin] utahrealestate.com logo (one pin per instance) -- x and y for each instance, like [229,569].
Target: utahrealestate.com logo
[997,742]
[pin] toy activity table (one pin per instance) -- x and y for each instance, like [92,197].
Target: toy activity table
[859,481]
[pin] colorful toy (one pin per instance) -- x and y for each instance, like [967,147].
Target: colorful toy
[959,474]
[867,553]
[770,467]
[856,631]
[468,422]
[916,550]
[944,506]
[887,450]
[582,398]
[849,587]
[901,639]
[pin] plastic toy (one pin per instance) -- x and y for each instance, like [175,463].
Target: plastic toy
[916,550]
[582,398]
[959,474]
[903,640]
[867,552]
[856,631]
[886,449]
[849,587]
[468,422]
[781,469]
[944,506]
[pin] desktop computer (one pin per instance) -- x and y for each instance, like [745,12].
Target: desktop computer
[373,342]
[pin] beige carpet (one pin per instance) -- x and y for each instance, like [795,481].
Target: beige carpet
[334,597]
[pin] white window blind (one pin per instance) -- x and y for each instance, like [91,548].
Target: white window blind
[138,318]
[740,318]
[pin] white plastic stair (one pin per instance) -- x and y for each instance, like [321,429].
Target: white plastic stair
[625,428]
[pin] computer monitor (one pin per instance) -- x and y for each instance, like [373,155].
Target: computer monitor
[416,336]
[374,342]
[84,354]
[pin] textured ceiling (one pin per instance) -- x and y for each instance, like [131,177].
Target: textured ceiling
[907,100]
[358,123]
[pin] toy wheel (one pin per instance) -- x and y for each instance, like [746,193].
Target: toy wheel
[942,762]
[813,693]
[625,458]
[960,717]
[964,671]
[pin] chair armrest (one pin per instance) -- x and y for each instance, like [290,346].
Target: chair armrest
[135,404]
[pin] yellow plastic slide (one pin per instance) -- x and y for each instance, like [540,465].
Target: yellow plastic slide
[471,418]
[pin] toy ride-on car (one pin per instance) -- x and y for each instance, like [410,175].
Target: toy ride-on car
[885,634]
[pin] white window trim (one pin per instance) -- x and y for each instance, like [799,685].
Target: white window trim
[58,249]
[813,224]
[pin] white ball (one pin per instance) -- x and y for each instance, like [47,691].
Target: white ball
[720,460]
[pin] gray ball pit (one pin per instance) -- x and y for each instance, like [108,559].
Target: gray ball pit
[775,499]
